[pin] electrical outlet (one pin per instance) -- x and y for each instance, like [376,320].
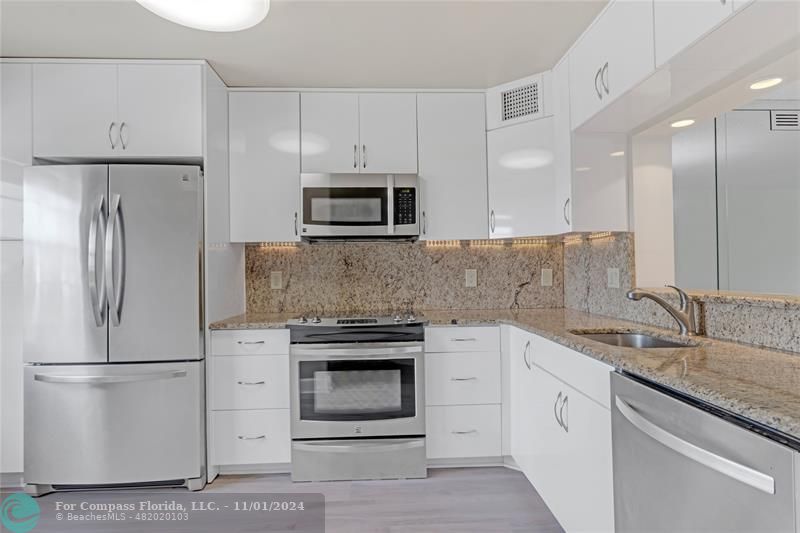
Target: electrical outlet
[613,278]
[470,277]
[276,280]
[547,277]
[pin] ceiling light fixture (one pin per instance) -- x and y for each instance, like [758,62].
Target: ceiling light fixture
[682,123]
[765,84]
[210,15]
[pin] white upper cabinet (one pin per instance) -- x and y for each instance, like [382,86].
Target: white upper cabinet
[612,56]
[681,22]
[160,110]
[388,126]
[75,110]
[562,135]
[452,166]
[264,166]
[372,133]
[522,184]
[102,111]
[599,182]
[329,129]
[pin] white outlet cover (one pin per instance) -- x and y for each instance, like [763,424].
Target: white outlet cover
[276,280]
[547,277]
[470,277]
[613,278]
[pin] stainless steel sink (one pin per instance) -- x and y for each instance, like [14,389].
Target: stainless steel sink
[632,340]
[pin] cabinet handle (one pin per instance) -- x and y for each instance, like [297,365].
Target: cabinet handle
[355,156]
[464,432]
[604,77]
[249,342]
[464,379]
[424,224]
[251,382]
[566,216]
[491,220]
[463,339]
[596,89]
[295,223]
[555,409]
[364,154]
[111,139]
[525,354]
[121,138]
[259,437]
[564,422]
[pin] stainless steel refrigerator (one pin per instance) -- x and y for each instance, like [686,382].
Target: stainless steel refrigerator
[113,326]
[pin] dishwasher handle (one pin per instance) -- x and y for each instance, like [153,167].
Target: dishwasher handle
[732,469]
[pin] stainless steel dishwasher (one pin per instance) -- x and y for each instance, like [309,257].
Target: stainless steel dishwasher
[680,468]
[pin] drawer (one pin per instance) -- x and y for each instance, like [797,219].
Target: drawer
[587,375]
[251,437]
[462,339]
[250,382]
[250,342]
[462,378]
[463,431]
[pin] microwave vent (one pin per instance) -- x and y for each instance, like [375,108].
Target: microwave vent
[521,101]
[786,120]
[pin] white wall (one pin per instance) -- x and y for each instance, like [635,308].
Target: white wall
[652,210]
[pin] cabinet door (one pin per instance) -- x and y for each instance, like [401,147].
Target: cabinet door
[75,110]
[521,419]
[388,125]
[329,132]
[522,184]
[264,166]
[614,54]
[600,182]
[160,110]
[452,165]
[571,458]
[678,23]
[562,138]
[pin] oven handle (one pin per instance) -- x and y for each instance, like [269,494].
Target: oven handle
[358,447]
[355,352]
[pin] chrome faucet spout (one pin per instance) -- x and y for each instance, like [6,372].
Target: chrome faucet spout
[684,316]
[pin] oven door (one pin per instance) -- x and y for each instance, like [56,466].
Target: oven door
[357,390]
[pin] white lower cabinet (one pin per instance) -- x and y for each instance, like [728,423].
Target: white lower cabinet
[471,378]
[522,432]
[250,437]
[250,382]
[454,431]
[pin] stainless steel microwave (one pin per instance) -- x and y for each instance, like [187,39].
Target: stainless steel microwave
[359,206]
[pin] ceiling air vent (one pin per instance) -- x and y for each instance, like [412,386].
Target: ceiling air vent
[785,120]
[521,101]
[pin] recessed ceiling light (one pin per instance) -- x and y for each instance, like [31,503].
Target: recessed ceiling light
[617,154]
[765,84]
[682,123]
[210,15]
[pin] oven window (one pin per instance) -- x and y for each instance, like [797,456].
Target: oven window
[347,390]
[345,206]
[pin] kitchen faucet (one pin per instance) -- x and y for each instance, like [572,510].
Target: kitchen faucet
[684,316]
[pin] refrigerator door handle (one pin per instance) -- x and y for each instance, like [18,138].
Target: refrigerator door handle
[97,291]
[94,380]
[115,288]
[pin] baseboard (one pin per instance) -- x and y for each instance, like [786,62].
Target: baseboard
[274,468]
[11,480]
[465,462]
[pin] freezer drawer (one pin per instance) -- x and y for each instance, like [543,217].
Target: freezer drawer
[125,423]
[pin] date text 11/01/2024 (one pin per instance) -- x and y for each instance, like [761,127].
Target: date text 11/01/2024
[174,506]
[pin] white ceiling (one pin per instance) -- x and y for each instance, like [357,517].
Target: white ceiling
[319,43]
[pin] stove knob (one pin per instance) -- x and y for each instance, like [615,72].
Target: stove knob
[411,318]
[316,320]
[398,318]
[302,320]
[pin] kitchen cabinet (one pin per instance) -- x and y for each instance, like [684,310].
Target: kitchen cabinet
[612,56]
[678,23]
[459,431]
[523,431]
[359,133]
[252,437]
[106,111]
[469,378]
[522,180]
[452,165]
[562,140]
[264,166]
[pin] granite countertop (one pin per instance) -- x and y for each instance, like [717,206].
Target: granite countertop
[760,384]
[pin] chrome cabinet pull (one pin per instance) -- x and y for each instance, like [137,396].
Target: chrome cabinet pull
[564,423]
[295,223]
[249,342]
[121,137]
[464,379]
[604,77]
[723,465]
[355,156]
[133,378]
[597,90]
[526,353]
[115,286]
[463,339]
[424,224]
[259,437]
[364,154]
[491,220]
[555,408]
[566,216]
[251,382]
[468,432]
[97,291]
[110,138]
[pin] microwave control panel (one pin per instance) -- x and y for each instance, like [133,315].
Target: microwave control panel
[405,205]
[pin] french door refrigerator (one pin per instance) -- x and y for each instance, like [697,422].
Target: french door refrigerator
[113,326]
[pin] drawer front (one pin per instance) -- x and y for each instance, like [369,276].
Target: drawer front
[251,437]
[587,375]
[250,382]
[463,431]
[462,378]
[462,339]
[250,342]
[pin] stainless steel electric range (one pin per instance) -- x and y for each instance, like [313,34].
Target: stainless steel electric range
[358,398]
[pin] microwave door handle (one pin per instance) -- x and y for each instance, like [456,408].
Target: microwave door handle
[390,204]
